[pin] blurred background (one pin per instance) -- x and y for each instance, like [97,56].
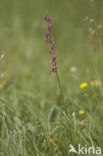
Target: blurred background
[29,95]
[26,60]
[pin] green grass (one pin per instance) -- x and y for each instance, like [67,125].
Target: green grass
[32,120]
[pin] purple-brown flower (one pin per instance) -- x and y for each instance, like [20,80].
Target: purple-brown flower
[48,19]
[49,40]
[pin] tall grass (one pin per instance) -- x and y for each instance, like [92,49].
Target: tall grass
[31,118]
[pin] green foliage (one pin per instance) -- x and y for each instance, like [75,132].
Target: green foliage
[32,118]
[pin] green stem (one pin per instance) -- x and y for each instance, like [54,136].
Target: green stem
[61,90]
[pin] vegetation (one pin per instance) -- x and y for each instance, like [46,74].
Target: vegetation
[32,119]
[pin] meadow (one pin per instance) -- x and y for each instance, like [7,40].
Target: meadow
[33,121]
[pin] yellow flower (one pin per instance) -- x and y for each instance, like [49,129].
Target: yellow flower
[73,114]
[81,112]
[95,83]
[83,85]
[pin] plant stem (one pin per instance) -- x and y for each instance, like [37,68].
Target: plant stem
[61,90]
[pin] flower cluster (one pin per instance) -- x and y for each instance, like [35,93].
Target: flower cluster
[49,40]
